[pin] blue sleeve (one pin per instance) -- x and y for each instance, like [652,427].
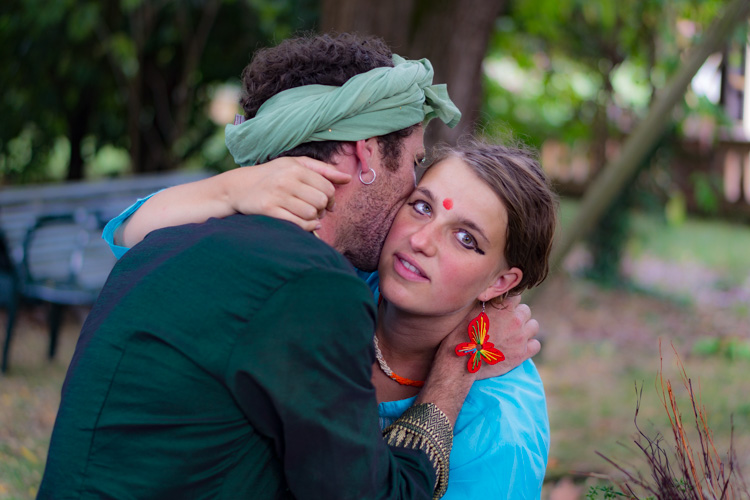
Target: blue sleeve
[501,439]
[108,233]
[373,281]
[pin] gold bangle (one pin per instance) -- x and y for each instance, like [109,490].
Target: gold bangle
[427,428]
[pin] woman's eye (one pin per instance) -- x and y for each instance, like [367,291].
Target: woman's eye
[422,207]
[466,239]
[468,242]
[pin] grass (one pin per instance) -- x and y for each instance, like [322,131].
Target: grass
[29,397]
[592,401]
[721,246]
[597,344]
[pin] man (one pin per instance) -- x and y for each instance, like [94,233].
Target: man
[232,359]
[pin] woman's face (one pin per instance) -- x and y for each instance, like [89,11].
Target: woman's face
[446,246]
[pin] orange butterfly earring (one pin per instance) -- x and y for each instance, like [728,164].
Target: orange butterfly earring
[480,348]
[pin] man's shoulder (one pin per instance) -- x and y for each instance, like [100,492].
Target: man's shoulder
[251,231]
[255,240]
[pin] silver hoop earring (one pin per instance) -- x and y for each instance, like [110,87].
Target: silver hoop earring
[374,174]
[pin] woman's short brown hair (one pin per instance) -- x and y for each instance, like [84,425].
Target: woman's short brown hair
[515,175]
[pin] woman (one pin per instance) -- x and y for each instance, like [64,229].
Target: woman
[477,229]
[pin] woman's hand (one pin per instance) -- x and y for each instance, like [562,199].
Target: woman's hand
[299,190]
[296,189]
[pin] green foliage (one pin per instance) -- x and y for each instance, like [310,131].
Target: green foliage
[564,55]
[707,191]
[675,209]
[129,74]
[583,73]
[733,349]
[605,492]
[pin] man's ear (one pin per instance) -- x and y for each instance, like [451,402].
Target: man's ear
[365,151]
[505,282]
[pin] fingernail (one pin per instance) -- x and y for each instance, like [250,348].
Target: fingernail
[318,226]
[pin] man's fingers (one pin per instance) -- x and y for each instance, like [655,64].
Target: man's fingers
[531,328]
[524,312]
[533,348]
[512,302]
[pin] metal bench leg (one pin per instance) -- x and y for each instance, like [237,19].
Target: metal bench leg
[55,317]
[12,310]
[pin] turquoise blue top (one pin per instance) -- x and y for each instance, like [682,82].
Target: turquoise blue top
[501,438]
[108,233]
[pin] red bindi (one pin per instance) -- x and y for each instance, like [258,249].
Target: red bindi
[448,203]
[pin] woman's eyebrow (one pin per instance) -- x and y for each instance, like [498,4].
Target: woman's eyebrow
[426,193]
[471,225]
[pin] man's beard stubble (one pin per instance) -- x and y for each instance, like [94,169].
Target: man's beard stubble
[368,225]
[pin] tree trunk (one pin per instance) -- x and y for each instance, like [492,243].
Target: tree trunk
[452,34]
[78,123]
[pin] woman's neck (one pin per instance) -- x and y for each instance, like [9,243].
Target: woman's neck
[408,343]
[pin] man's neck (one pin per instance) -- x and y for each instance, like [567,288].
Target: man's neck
[327,231]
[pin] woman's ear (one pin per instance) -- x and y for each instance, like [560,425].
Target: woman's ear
[505,282]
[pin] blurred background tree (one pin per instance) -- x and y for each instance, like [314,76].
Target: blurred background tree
[576,77]
[82,77]
[453,34]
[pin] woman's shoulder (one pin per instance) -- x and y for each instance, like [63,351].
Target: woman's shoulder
[511,408]
[503,426]
[523,383]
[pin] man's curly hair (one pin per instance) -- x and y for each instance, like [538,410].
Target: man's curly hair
[322,60]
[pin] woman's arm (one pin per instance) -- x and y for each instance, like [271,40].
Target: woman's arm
[295,189]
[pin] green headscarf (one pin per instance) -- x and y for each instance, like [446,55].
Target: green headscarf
[371,104]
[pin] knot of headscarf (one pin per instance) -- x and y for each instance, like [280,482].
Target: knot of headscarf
[371,104]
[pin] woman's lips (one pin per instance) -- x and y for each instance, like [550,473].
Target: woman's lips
[407,269]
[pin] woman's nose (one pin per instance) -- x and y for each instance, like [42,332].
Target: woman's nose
[423,240]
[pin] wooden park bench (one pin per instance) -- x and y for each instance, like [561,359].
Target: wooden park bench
[51,248]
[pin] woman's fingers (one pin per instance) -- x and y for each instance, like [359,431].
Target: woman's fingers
[329,172]
[299,190]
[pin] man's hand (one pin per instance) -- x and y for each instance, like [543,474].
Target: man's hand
[512,330]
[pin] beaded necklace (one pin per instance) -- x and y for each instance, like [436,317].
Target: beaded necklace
[387,370]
